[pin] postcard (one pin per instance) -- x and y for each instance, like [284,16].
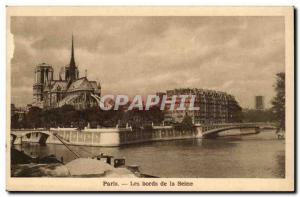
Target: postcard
[144,99]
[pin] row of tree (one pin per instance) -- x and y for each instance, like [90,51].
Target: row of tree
[253,115]
[67,116]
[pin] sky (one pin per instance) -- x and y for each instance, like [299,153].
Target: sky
[145,55]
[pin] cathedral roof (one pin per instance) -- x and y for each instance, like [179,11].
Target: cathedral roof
[55,86]
[59,86]
[81,84]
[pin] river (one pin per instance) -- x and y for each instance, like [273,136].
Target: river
[253,156]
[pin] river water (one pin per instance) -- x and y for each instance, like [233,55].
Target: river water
[253,156]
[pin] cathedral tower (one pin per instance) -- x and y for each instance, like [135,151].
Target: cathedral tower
[43,74]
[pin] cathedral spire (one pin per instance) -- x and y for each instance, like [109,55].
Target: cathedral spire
[73,69]
[72,61]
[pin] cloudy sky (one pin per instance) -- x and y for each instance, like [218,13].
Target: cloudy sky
[143,55]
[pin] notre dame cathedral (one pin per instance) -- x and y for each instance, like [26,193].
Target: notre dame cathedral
[69,89]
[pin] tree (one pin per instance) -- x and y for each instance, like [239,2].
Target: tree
[33,117]
[138,118]
[15,121]
[254,115]
[185,125]
[69,116]
[278,102]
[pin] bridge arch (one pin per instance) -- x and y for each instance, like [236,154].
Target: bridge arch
[41,136]
[13,138]
[212,133]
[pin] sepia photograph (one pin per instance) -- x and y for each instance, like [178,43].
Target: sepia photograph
[150,99]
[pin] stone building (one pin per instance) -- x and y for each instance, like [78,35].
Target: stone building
[69,89]
[215,106]
[259,103]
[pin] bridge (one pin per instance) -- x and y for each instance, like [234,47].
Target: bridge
[33,135]
[205,131]
[212,131]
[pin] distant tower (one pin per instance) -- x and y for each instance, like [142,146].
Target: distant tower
[71,73]
[259,103]
[43,73]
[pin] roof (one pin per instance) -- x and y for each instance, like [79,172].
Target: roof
[55,86]
[81,84]
[59,86]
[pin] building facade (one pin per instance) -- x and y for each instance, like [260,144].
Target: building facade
[69,89]
[259,103]
[214,106]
